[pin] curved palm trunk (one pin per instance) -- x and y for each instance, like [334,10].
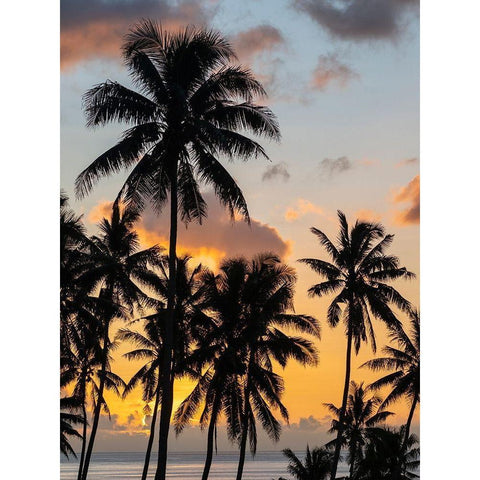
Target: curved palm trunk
[84,434]
[210,438]
[338,443]
[243,440]
[98,407]
[152,435]
[398,470]
[167,367]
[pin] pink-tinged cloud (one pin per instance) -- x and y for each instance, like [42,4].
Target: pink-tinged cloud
[360,19]
[253,42]
[302,208]
[217,238]
[95,28]
[330,70]
[410,194]
[407,162]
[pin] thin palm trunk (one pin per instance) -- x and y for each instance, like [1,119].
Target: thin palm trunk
[243,440]
[166,377]
[338,443]
[98,406]
[398,470]
[353,454]
[409,421]
[152,434]
[210,437]
[84,433]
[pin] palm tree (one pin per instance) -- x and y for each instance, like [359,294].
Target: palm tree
[359,417]
[68,420]
[81,370]
[191,108]
[316,465]
[247,302]
[358,276]
[117,268]
[150,345]
[385,455]
[404,362]
[266,296]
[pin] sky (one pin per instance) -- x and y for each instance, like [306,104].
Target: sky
[343,80]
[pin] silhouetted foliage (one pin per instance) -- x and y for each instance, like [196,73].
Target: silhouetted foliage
[358,277]
[192,107]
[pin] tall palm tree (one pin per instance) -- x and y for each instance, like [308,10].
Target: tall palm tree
[266,297]
[358,277]
[81,371]
[192,108]
[150,344]
[385,453]
[117,270]
[404,363]
[360,415]
[316,465]
[248,302]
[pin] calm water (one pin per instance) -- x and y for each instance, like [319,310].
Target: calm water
[187,466]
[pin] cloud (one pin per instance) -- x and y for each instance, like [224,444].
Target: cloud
[302,208]
[257,40]
[214,240]
[275,171]
[330,167]
[367,215]
[95,28]
[407,162]
[409,194]
[310,423]
[359,19]
[330,70]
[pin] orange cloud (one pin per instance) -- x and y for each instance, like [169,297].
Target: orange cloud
[100,211]
[303,207]
[407,162]
[408,194]
[368,215]
[217,238]
[94,28]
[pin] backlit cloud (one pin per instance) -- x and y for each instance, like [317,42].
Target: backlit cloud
[330,70]
[217,238]
[330,167]
[95,28]
[410,195]
[359,19]
[302,208]
[278,170]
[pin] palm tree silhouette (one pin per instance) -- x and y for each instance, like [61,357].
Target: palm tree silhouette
[248,303]
[316,465]
[385,452]
[117,268]
[405,363]
[358,277]
[68,420]
[188,330]
[266,297]
[191,108]
[359,417]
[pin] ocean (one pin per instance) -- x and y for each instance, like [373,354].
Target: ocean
[185,466]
